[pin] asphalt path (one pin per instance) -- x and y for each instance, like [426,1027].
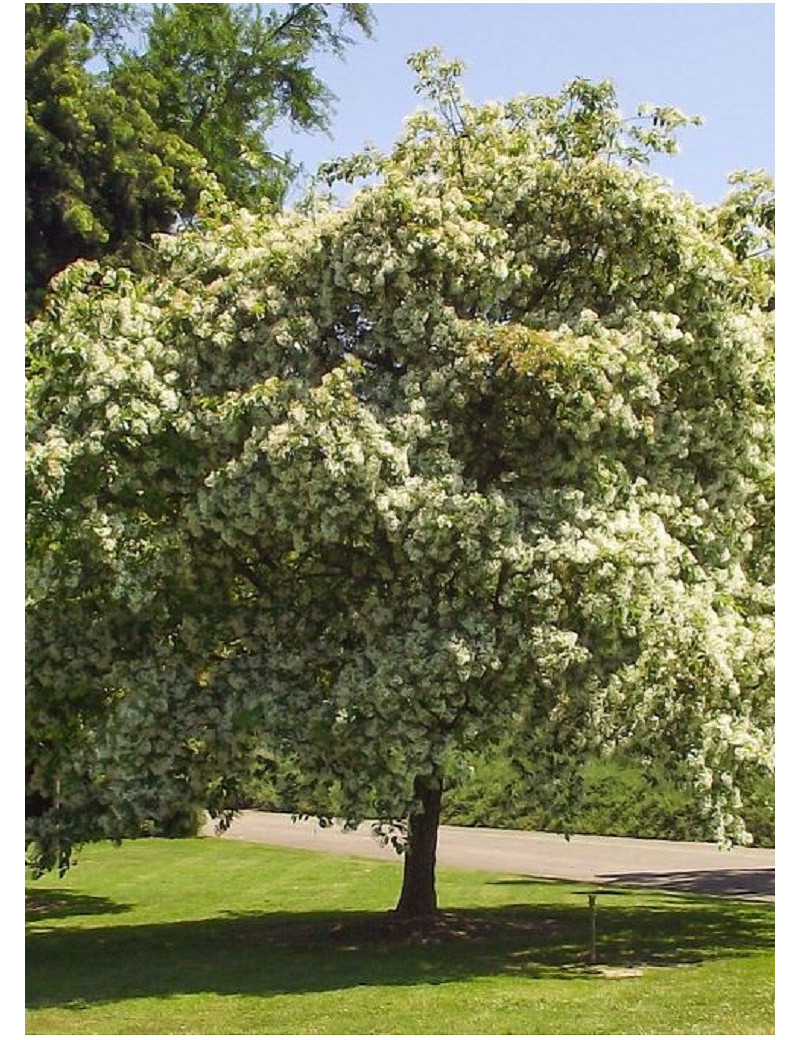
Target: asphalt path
[679,866]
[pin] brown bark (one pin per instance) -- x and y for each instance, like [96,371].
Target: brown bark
[418,894]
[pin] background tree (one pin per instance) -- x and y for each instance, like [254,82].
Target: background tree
[121,144]
[483,456]
[224,74]
[101,176]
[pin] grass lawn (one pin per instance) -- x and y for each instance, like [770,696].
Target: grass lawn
[214,937]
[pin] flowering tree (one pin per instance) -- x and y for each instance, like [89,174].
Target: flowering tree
[487,451]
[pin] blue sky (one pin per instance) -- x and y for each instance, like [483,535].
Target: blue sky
[715,60]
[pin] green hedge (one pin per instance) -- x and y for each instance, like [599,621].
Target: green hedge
[619,798]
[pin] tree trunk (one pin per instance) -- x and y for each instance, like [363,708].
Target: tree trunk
[418,894]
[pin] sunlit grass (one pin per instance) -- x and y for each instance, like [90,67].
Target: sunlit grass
[215,937]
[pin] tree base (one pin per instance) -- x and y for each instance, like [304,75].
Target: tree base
[418,894]
[402,914]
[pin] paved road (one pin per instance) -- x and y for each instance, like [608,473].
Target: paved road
[674,865]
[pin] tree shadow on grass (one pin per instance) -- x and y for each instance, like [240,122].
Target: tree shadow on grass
[271,954]
[44,904]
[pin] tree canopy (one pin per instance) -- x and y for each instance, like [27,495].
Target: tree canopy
[122,141]
[484,454]
[224,74]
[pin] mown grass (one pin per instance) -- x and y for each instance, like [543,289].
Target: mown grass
[220,937]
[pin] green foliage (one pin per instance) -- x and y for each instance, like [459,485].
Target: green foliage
[485,454]
[223,74]
[120,144]
[178,823]
[619,798]
[101,175]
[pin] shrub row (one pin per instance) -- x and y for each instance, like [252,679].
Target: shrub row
[619,799]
